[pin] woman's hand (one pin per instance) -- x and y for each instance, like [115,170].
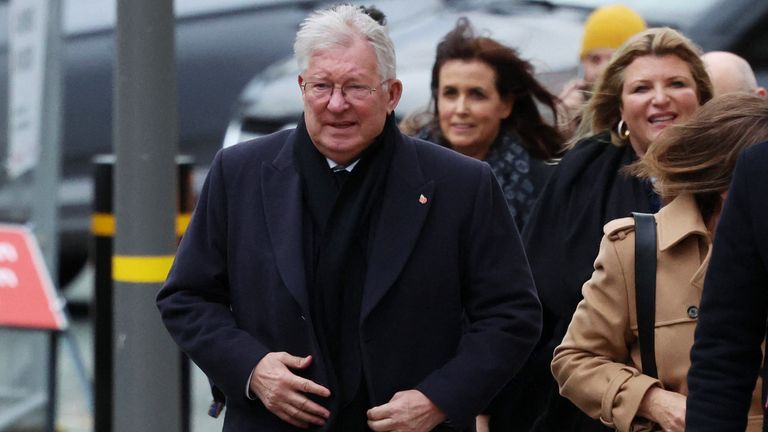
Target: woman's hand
[665,408]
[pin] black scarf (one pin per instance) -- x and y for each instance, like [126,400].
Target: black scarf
[562,239]
[342,221]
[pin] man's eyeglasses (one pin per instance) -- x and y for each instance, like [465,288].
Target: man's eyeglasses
[319,90]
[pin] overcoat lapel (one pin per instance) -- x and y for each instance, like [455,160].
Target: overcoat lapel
[281,195]
[407,199]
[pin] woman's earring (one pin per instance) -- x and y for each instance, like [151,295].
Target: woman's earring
[625,133]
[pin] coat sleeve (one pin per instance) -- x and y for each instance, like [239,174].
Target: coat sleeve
[195,303]
[726,354]
[500,305]
[591,364]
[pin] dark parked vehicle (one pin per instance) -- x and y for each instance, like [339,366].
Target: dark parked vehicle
[220,45]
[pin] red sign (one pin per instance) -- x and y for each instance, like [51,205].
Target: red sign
[28,298]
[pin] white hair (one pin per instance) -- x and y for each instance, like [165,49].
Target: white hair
[341,26]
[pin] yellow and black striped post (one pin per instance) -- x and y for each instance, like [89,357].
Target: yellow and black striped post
[102,230]
[102,254]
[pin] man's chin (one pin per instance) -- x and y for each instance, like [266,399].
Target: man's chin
[334,148]
[342,142]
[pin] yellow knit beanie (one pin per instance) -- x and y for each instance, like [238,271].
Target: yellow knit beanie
[609,27]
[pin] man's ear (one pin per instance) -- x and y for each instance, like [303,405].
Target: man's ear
[394,91]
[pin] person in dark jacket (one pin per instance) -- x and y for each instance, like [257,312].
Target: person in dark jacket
[342,276]
[654,80]
[726,356]
[485,104]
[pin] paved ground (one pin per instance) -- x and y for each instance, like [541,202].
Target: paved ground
[74,412]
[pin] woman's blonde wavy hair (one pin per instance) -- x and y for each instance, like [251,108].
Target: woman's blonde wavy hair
[602,112]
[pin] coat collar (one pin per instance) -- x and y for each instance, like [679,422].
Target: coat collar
[679,220]
[281,197]
[407,199]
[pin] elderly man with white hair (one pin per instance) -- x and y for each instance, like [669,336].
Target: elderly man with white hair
[344,277]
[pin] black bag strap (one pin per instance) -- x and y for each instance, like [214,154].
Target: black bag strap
[645,289]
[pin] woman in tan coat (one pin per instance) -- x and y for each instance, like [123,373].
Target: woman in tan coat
[598,366]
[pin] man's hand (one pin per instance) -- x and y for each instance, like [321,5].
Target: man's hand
[665,408]
[573,97]
[284,393]
[572,100]
[407,411]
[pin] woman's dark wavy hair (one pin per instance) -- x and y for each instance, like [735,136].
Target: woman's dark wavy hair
[514,79]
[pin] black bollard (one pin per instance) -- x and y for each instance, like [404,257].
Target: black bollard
[103,232]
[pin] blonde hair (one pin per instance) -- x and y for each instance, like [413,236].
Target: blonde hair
[602,112]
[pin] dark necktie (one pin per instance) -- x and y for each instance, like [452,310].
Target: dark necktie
[340,175]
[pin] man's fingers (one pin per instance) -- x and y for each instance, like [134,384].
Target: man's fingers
[294,421]
[285,394]
[299,402]
[306,416]
[379,413]
[308,386]
[294,362]
[302,411]
[382,425]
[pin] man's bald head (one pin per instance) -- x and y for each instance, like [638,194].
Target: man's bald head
[730,73]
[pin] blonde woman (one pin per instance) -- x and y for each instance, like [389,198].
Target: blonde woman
[653,81]
[597,366]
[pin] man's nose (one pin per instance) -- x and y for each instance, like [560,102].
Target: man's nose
[337,102]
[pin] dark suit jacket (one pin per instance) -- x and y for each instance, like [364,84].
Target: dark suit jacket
[445,249]
[732,321]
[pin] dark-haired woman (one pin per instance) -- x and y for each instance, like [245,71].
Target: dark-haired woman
[484,99]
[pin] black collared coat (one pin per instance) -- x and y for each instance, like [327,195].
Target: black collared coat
[448,306]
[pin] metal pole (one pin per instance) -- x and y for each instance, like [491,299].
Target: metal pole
[47,174]
[34,125]
[50,412]
[146,367]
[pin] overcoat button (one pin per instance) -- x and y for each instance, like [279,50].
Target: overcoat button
[693,312]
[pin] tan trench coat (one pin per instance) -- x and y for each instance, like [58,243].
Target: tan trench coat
[598,363]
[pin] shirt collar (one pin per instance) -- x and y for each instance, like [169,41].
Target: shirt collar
[335,166]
